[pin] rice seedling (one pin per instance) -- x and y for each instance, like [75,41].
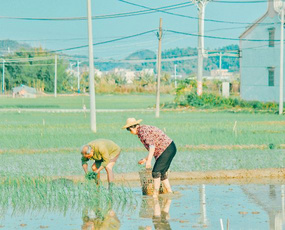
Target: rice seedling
[185,160]
[24,194]
[65,133]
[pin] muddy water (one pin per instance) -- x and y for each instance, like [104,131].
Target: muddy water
[245,207]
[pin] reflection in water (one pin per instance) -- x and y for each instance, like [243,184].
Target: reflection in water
[100,218]
[156,209]
[271,199]
[161,215]
[202,195]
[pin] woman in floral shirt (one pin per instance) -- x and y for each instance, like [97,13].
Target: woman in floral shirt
[158,145]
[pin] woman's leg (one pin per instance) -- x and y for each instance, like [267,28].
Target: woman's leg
[109,169]
[156,182]
[166,185]
[163,163]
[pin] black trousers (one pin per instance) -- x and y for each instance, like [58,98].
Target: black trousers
[163,162]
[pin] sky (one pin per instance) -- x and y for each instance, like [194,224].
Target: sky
[65,34]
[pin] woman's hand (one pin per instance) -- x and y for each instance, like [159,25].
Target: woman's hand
[148,164]
[142,161]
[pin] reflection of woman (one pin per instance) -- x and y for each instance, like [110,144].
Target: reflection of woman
[159,145]
[96,220]
[160,218]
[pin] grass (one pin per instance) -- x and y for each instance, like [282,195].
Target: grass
[50,142]
[24,194]
[103,101]
[58,164]
[49,131]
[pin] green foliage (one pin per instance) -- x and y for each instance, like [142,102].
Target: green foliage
[184,67]
[186,96]
[91,176]
[142,54]
[11,46]
[26,193]
[37,132]
[37,74]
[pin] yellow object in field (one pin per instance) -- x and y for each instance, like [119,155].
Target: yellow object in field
[147,182]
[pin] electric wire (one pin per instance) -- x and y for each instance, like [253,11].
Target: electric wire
[222,38]
[107,16]
[239,2]
[104,42]
[28,59]
[135,13]
[32,65]
[187,16]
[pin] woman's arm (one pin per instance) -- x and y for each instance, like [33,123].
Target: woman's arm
[149,156]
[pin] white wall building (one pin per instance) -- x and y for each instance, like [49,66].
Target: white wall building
[260,60]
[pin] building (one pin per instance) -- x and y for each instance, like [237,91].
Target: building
[260,57]
[24,91]
[221,74]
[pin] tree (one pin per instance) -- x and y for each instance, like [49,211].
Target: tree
[22,67]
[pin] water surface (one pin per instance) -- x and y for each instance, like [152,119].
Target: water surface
[250,206]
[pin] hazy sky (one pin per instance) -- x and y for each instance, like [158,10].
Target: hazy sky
[71,33]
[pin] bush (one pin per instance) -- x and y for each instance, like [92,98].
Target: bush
[209,100]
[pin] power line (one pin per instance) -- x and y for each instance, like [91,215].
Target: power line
[32,65]
[81,39]
[196,18]
[105,42]
[100,43]
[29,59]
[147,11]
[239,2]
[222,38]
[107,16]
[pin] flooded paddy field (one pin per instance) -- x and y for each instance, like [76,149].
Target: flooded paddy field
[192,206]
[37,149]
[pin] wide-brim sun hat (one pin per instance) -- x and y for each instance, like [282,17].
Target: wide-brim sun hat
[131,121]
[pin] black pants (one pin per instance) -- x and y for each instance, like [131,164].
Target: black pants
[163,162]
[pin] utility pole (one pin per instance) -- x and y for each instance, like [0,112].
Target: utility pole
[201,4]
[78,77]
[70,66]
[281,61]
[91,70]
[158,69]
[55,75]
[175,83]
[220,65]
[3,76]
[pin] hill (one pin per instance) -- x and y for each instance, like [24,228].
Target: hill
[7,46]
[184,67]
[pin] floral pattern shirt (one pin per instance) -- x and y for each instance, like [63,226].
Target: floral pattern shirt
[153,136]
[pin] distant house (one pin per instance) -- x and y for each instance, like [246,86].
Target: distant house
[260,60]
[126,74]
[221,74]
[24,91]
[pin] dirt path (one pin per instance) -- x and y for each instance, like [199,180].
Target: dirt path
[19,110]
[242,176]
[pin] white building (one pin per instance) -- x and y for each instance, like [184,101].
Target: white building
[221,74]
[260,57]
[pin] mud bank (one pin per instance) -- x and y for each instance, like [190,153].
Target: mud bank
[241,176]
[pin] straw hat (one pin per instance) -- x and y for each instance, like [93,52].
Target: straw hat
[131,121]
